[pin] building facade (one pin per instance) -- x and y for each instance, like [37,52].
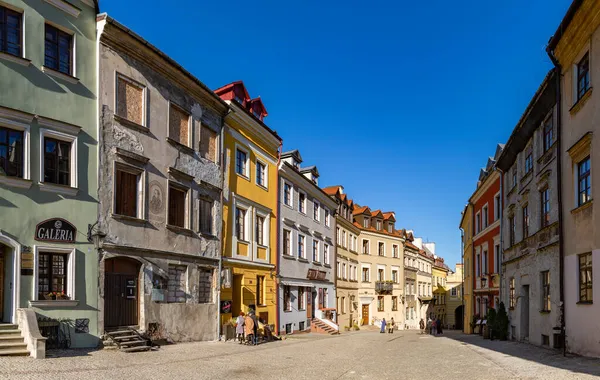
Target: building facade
[530,230]
[424,283]
[307,248]
[439,275]
[347,264]
[48,160]
[574,48]
[466,227]
[454,303]
[250,202]
[487,207]
[159,229]
[412,301]
[381,259]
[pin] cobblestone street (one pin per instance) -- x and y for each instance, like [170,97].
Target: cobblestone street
[358,355]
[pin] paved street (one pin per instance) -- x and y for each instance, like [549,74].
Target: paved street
[357,355]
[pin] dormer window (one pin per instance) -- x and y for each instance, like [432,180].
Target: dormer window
[379,225]
[239,100]
[256,113]
[390,227]
[366,223]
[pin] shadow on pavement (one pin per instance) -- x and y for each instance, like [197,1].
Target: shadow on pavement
[548,357]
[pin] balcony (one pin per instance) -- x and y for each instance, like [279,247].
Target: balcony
[384,287]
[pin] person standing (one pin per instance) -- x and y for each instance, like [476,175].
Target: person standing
[439,326]
[239,328]
[433,327]
[383,324]
[422,326]
[249,329]
[255,331]
[391,326]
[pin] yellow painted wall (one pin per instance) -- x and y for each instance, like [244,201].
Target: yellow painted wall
[466,225]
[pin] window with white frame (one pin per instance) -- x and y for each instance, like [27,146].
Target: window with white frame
[344,239]
[261,173]
[241,162]
[338,236]
[59,158]
[496,207]
[301,246]
[316,211]
[477,222]
[128,191]
[241,223]
[55,273]
[365,247]
[395,277]
[325,254]
[315,251]
[583,76]
[395,251]
[287,194]
[11,29]
[302,202]
[287,242]
[15,150]
[366,274]
[260,230]
[366,222]
[344,273]
[485,216]
[327,218]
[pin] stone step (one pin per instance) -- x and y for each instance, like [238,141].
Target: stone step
[10,332]
[118,332]
[133,343]
[125,337]
[11,338]
[8,326]
[14,352]
[12,345]
[136,349]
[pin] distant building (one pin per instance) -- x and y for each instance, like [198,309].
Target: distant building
[466,227]
[454,302]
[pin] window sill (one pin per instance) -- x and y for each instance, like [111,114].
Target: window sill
[53,303]
[545,311]
[131,124]
[180,230]
[289,257]
[243,176]
[582,207]
[181,146]
[302,260]
[581,101]
[129,218]
[16,182]
[13,58]
[207,235]
[58,189]
[62,76]
[262,187]
[243,242]
[327,265]
[316,263]
[585,303]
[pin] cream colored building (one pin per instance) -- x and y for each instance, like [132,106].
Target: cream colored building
[424,283]
[454,302]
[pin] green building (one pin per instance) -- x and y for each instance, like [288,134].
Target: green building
[48,164]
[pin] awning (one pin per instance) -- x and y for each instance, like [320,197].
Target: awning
[297,283]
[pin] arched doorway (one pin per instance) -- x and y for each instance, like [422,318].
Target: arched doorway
[458,317]
[121,299]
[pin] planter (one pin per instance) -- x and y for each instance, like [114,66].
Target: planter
[229,332]
[486,332]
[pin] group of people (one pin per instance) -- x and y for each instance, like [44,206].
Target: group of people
[433,325]
[247,328]
[390,326]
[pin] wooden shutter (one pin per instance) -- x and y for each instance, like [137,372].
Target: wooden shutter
[208,143]
[177,207]
[126,194]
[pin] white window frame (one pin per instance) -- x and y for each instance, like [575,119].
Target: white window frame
[325,254]
[266,215]
[266,176]
[368,267]
[265,237]
[22,126]
[397,280]
[190,138]
[368,247]
[478,222]
[378,243]
[317,208]
[73,140]
[291,204]
[71,259]
[497,206]
[301,255]
[118,76]
[395,251]
[304,204]
[316,255]
[378,225]
[366,222]
[485,216]
[379,267]
[290,253]
[72,76]
[344,239]
[141,191]
[327,213]
[246,174]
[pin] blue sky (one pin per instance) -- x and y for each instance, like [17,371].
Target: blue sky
[401,102]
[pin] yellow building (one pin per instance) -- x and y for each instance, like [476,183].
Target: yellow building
[454,303]
[466,226]
[251,151]
[439,274]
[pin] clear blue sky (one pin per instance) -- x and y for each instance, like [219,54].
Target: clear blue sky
[401,102]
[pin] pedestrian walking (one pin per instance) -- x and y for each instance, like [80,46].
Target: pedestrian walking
[433,327]
[255,331]
[239,328]
[422,326]
[439,326]
[391,326]
[382,326]
[249,329]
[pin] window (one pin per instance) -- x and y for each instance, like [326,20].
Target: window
[381,249]
[365,247]
[395,251]
[365,275]
[241,162]
[585,277]
[380,275]
[366,223]
[545,207]
[343,305]
[260,290]
[10,32]
[548,135]
[301,252]
[177,206]
[316,211]
[57,161]
[453,292]
[497,258]
[260,230]
[58,52]
[407,313]
[395,277]
[206,216]
[525,221]
[514,176]
[326,218]
[287,241]
[485,216]
[261,174]
[511,230]
[584,188]
[583,76]
[344,239]
[52,273]
[528,163]
[343,275]
[302,202]
[545,277]
[511,293]
[177,283]
[354,243]
[205,286]
[179,125]
[338,236]
[391,227]
[380,304]
[208,143]
[301,298]
[325,254]
[240,224]
[127,193]
[287,194]
[315,251]
[478,223]
[379,225]
[130,100]
[287,298]
[11,150]
[484,263]
[478,262]
[394,303]
[497,207]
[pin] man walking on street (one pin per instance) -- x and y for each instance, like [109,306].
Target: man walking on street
[422,326]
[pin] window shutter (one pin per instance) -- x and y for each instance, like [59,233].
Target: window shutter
[320,298]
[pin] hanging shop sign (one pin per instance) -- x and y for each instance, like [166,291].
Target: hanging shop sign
[55,230]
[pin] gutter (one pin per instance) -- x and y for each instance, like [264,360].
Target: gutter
[462,298]
[221,249]
[501,215]
[561,251]
[277,258]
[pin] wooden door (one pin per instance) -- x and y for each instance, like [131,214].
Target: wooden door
[2,253]
[236,295]
[121,292]
[365,314]
[309,306]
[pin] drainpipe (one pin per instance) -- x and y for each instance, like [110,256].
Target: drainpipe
[278,218]
[561,253]
[501,215]
[221,250]
[462,290]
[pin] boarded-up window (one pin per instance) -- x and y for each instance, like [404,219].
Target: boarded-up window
[206,216]
[130,100]
[126,193]
[177,280]
[208,143]
[177,197]
[179,125]
[205,286]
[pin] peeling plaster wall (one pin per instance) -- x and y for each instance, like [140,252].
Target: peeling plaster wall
[155,245]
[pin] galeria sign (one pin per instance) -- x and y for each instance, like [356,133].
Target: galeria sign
[56,230]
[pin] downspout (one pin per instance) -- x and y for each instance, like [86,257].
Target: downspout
[561,253]
[462,290]
[501,216]
[221,250]
[278,218]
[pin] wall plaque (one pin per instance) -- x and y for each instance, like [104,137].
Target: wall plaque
[55,230]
